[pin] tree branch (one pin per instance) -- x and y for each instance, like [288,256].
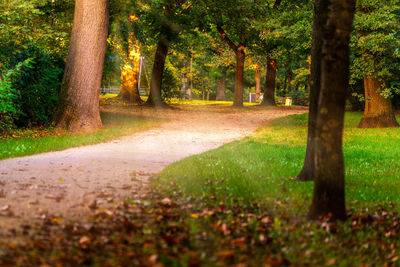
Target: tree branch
[277,3]
[226,38]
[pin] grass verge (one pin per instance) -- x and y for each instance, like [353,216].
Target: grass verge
[33,141]
[260,167]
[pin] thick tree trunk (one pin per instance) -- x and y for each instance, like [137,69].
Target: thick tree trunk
[378,111]
[329,194]
[130,75]
[78,104]
[221,86]
[157,74]
[257,78]
[320,16]
[269,86]
[240,58]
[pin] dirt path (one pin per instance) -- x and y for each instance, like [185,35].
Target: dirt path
[67,184]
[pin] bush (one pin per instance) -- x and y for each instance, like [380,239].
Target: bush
[9,106]
[299,98]
[170,83]
[30,88]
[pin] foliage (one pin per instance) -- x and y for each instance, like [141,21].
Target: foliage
[35,86]
[9,106]
[376,43]
[171,82]
[46,23]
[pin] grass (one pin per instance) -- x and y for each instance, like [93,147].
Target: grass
[246,187]
[258,167]
[34,141]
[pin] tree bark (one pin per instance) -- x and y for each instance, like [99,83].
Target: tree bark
[78,105]
[157,74]
[320,16]
[269,86]
[329,192]
[221,86]
[378,112]
[130,75]
[240,58]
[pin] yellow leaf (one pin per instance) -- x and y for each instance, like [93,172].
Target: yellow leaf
[60,179]
[194,215]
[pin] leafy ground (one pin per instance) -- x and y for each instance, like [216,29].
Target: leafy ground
[24,142]
[235,206]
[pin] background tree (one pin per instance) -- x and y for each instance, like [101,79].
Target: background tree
[232,20]
[376,43]
[161,22]
[78,104]
[285,45]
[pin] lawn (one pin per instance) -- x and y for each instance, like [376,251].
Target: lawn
[32,141]
[264,165]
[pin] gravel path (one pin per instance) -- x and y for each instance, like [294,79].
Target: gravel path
[67,184]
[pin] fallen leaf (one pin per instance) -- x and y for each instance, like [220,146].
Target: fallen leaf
[5,208]
[84,241]
[225,254]
[166,202]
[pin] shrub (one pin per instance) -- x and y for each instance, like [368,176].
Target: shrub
[299,98]
[9,106]
[32,88]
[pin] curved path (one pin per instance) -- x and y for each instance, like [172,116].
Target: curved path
[69,183]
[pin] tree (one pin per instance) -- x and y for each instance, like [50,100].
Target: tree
[331,36]
[127,48]
[78,104]
[232,19]
[320,17]
[161,22]
[285,43]
[376,43]
[269,86]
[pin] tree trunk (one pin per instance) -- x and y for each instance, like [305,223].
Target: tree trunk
[221,86]
[130,75]
[269,87]
[257,77]
[320,16]
[191,75]
[329,195]
[208,94]
[78,105]
[378,111]
[157,74]
[240,58]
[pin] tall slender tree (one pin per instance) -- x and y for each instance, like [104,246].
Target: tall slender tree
[334,35]
[78,105]
[320,17]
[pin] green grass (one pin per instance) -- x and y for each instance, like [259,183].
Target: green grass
[258,167]
[34,141]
